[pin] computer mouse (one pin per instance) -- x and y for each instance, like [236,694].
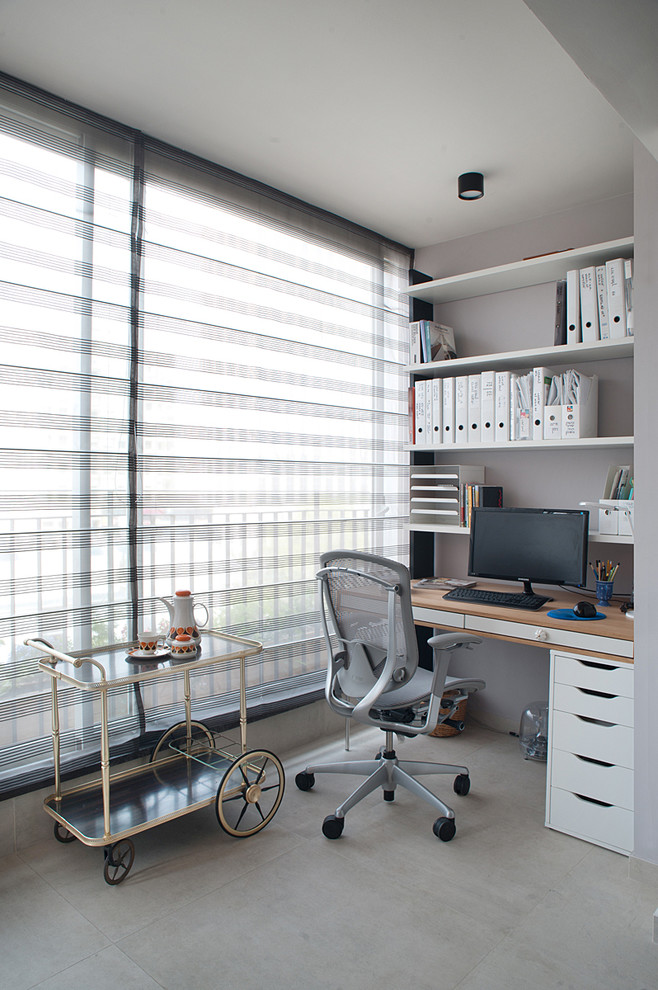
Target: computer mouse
[584,610]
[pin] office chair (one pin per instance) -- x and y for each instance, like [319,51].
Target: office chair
[373,676]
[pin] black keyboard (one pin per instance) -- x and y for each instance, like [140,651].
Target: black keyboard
[506,599]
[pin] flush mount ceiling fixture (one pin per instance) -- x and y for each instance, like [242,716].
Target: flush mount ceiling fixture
[470,185]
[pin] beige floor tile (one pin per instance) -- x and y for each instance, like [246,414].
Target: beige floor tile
[109,969]
[311,919]
[40,932]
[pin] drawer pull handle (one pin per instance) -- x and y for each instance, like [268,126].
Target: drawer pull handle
[602,804]
[589,759]
[599,666]
[596,721]
[541,634]
[597,694]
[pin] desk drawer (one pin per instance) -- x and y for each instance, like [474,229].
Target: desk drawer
[611,784]
[546,636]
[606,825]
[595,675]
[598,740]
[438,617]
[580,701]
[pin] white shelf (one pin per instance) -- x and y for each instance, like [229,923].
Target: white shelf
[519,274]
[602,350]
[465,531]
[587,443]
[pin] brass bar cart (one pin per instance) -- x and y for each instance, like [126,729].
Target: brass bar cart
[189,768]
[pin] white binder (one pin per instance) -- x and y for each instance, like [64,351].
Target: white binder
[461,408]
[421,425]
[501,432]
[474,409]
[573,306]
[616,297]
[448,410]
[436,390]
[602,299]
[512,405]
[628,284]
[541,380]
[523,406]
[589,306]
[488,406]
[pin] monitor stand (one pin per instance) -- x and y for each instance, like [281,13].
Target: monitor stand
[528,590]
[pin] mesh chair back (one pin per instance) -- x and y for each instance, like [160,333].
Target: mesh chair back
[367,610]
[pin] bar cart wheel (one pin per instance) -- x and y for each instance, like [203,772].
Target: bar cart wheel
[62,834]
[250,793]
[176,736]
[119,858]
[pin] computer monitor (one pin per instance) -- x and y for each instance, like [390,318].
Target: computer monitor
[548,546]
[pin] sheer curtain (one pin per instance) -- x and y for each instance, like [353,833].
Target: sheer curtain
[203,389]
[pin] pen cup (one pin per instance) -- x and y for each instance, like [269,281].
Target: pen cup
[604,592]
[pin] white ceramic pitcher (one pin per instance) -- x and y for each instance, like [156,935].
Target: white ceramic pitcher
[182,620]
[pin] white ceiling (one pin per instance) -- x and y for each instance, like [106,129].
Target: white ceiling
[368,108]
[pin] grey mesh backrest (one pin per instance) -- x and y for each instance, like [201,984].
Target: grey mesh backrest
[357,607]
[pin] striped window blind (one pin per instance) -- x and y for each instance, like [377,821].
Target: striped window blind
[203,388]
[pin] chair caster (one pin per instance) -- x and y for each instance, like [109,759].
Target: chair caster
[462,784]
[305,781]
[332,827]
[444,829]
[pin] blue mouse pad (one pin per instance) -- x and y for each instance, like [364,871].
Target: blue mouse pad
[567,613]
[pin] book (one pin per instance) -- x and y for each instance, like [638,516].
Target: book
[475,496]
[442,582]
[431,341]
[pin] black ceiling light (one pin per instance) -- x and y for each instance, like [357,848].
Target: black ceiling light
[470,185]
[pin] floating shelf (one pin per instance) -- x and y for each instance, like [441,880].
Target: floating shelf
[568,354]
[519,274]
[587,443]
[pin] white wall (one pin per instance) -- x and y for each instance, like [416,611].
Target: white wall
[646,519]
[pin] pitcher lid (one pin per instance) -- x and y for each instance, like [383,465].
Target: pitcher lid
[182,594]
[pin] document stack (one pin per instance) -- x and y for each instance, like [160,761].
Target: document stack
[494,407]
[598,305]
[571,406]
[436,492]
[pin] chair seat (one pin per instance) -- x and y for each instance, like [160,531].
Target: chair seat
[420,687]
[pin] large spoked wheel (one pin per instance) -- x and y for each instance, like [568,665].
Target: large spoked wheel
[201,737]
[62,834]
[119,858]
[250,793]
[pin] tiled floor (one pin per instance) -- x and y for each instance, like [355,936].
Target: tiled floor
[507,905]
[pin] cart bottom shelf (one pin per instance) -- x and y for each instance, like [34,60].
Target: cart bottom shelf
[144,797]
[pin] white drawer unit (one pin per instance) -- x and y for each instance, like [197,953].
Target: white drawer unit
[545,635]
[590,763]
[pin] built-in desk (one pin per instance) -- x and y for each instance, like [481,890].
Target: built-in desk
[612,636]
[589,783]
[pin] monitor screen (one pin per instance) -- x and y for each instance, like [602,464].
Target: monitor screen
[544,545]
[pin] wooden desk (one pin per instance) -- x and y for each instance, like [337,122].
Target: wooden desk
[589,782]
[612,636]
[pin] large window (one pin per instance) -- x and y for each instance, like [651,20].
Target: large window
[203,388]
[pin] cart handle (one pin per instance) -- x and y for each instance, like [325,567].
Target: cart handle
[45,647]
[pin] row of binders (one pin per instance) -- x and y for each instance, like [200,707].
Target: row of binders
[503,406]
[595,303]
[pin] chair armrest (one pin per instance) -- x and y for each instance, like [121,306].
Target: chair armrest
[450,640]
